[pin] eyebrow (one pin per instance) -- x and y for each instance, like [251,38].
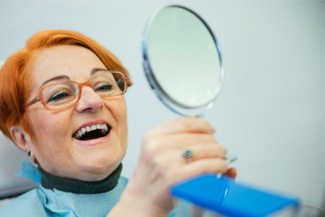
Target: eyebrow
[94,70]
[65,77]
[59,77]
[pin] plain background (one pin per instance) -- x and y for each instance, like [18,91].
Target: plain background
[270,111]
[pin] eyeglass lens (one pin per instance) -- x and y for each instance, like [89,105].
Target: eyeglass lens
[64,93]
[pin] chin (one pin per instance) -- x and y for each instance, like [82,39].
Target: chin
[100,168]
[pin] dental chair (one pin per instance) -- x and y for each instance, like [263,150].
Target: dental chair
[10,160]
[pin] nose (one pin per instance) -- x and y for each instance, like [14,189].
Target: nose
[89,101]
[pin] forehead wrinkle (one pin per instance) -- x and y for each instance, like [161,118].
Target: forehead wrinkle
[44,59]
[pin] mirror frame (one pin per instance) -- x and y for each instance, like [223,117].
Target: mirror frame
[154,84]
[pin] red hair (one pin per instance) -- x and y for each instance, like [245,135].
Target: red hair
[14,80]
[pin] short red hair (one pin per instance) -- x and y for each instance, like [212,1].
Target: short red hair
[14,81]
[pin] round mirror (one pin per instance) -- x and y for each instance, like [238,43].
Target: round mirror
[182,60]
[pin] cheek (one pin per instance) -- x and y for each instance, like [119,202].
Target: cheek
[48,127]
[123,122]
[37,123]
[118,110]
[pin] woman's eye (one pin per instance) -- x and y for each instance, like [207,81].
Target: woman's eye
[59,97]
[103,87]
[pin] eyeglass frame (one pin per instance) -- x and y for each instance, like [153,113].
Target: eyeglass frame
[80,85]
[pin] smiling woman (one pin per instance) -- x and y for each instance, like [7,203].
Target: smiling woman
[62,103]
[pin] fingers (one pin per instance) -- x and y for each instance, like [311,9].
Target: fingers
[170,164]
[165,144]
[174,159]
[207,151]
[180,134]
[198,152]
[181,141]
[183,125]
[196,168]
[168,152]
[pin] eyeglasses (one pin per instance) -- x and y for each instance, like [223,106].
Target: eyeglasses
[59,95]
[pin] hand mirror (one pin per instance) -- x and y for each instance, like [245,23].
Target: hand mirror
[183,65]
[182,60]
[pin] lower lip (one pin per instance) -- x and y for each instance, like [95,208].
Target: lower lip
[94,142]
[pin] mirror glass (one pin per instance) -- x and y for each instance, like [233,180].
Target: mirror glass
[182,60]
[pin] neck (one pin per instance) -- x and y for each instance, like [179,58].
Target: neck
[50,181]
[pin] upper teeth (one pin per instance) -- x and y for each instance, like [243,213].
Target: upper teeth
[86,129]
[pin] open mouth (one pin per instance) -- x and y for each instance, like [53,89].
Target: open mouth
[94,131]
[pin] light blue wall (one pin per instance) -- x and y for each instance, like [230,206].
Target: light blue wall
[270,111]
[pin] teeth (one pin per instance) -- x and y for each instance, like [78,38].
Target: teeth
[82,131]
[105,128]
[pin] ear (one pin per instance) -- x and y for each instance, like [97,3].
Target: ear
[21,138]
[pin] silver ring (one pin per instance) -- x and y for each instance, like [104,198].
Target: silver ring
[187,153]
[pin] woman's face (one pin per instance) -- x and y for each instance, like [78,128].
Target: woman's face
[55,145]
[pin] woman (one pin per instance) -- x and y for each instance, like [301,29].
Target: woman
[61,100]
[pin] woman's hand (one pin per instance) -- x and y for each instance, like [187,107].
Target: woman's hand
[161,164]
